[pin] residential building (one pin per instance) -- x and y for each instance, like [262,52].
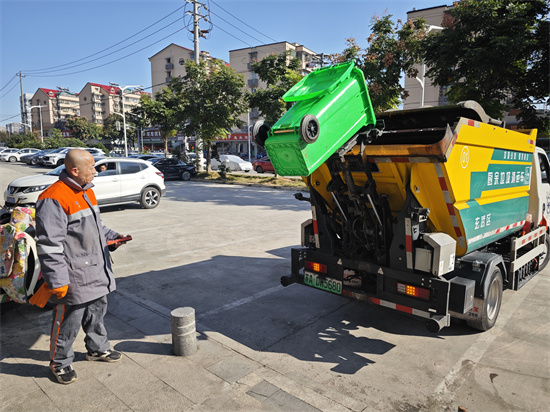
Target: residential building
[99,101]
[169,63]
[26,106]
[433,95]
[56,106]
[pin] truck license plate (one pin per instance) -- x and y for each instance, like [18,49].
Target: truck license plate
[330,285]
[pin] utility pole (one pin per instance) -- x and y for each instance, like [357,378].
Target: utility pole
[23,106]
[197,32]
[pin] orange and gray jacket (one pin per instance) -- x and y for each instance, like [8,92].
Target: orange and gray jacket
[72,241]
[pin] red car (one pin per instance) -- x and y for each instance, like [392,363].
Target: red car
[263,165]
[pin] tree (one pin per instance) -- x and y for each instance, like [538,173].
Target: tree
[213,100]
[83,130]
[20,141]
[162,112]
[280,73]
[495,52]
[56,142]
[394,49]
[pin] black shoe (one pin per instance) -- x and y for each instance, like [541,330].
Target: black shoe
[106,356]
[66,375]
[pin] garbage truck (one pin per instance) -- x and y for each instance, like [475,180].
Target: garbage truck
[432,212]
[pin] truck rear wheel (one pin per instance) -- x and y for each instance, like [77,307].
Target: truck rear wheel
[490,307]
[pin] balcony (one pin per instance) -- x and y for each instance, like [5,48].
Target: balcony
[169,66]
[167,80]
[253,83]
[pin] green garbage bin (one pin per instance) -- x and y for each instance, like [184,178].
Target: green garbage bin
[332,104]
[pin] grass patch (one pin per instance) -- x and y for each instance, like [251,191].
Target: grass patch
[240,179]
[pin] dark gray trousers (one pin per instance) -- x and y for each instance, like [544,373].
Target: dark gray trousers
[67,320]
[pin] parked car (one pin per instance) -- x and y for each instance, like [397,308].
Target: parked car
[13,155]
[263,165]
[122,181]
[57,157]
[173,168]
[149,156]
[235,163]
[32,158]
[96,152]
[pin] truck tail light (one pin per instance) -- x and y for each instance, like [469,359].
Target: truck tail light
[316,267]
[414,291]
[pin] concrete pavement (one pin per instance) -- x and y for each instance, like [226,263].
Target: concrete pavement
[222,375]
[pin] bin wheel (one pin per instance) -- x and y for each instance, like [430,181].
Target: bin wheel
[309,128]
[259,132]
[490,309]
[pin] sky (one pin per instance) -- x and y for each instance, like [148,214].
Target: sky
[68,43]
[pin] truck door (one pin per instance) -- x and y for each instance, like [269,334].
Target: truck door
[539,201]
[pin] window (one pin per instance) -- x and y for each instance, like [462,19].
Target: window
[106,169]
[129,167]
[168,60]
[544,169]
[182,61]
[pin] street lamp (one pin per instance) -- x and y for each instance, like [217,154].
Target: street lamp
[40,116]
[422,82]
[124,112]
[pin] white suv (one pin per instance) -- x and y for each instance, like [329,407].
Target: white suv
[122,181]
[57,158]
[14,155]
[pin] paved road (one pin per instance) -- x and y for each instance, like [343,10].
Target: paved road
[222,249]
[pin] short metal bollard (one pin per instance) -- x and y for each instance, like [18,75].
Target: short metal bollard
[184,338]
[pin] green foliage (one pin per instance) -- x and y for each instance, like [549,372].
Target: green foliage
[20,141]
[393,48]
[280,73]
[83,130]
[211,100]
[223,170]
[164,112]
[492,50]
[56,134]
[100,146]
[54,143]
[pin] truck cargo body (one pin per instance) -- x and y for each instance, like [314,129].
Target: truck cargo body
[434,215]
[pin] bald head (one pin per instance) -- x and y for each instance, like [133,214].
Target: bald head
[79,164]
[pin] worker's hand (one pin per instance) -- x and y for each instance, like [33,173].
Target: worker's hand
[42,295]
[118,241]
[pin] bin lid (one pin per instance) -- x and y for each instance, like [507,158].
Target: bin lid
[319,82]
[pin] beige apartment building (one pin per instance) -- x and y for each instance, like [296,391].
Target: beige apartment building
[99,101]
[169,63]
[57,106]
[433,95]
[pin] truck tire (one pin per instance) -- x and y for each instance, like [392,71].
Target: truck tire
[309,128]
[490,308]
[546,255]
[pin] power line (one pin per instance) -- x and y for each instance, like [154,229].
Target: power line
[232,25]
[246,24]
[8,92]
[9,81]
[102,57]
[110,47]
[112,61]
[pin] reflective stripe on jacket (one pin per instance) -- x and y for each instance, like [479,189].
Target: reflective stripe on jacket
[72,241]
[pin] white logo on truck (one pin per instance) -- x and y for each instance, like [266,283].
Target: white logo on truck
[465,157]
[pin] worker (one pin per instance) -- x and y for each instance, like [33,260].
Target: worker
[76,266]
